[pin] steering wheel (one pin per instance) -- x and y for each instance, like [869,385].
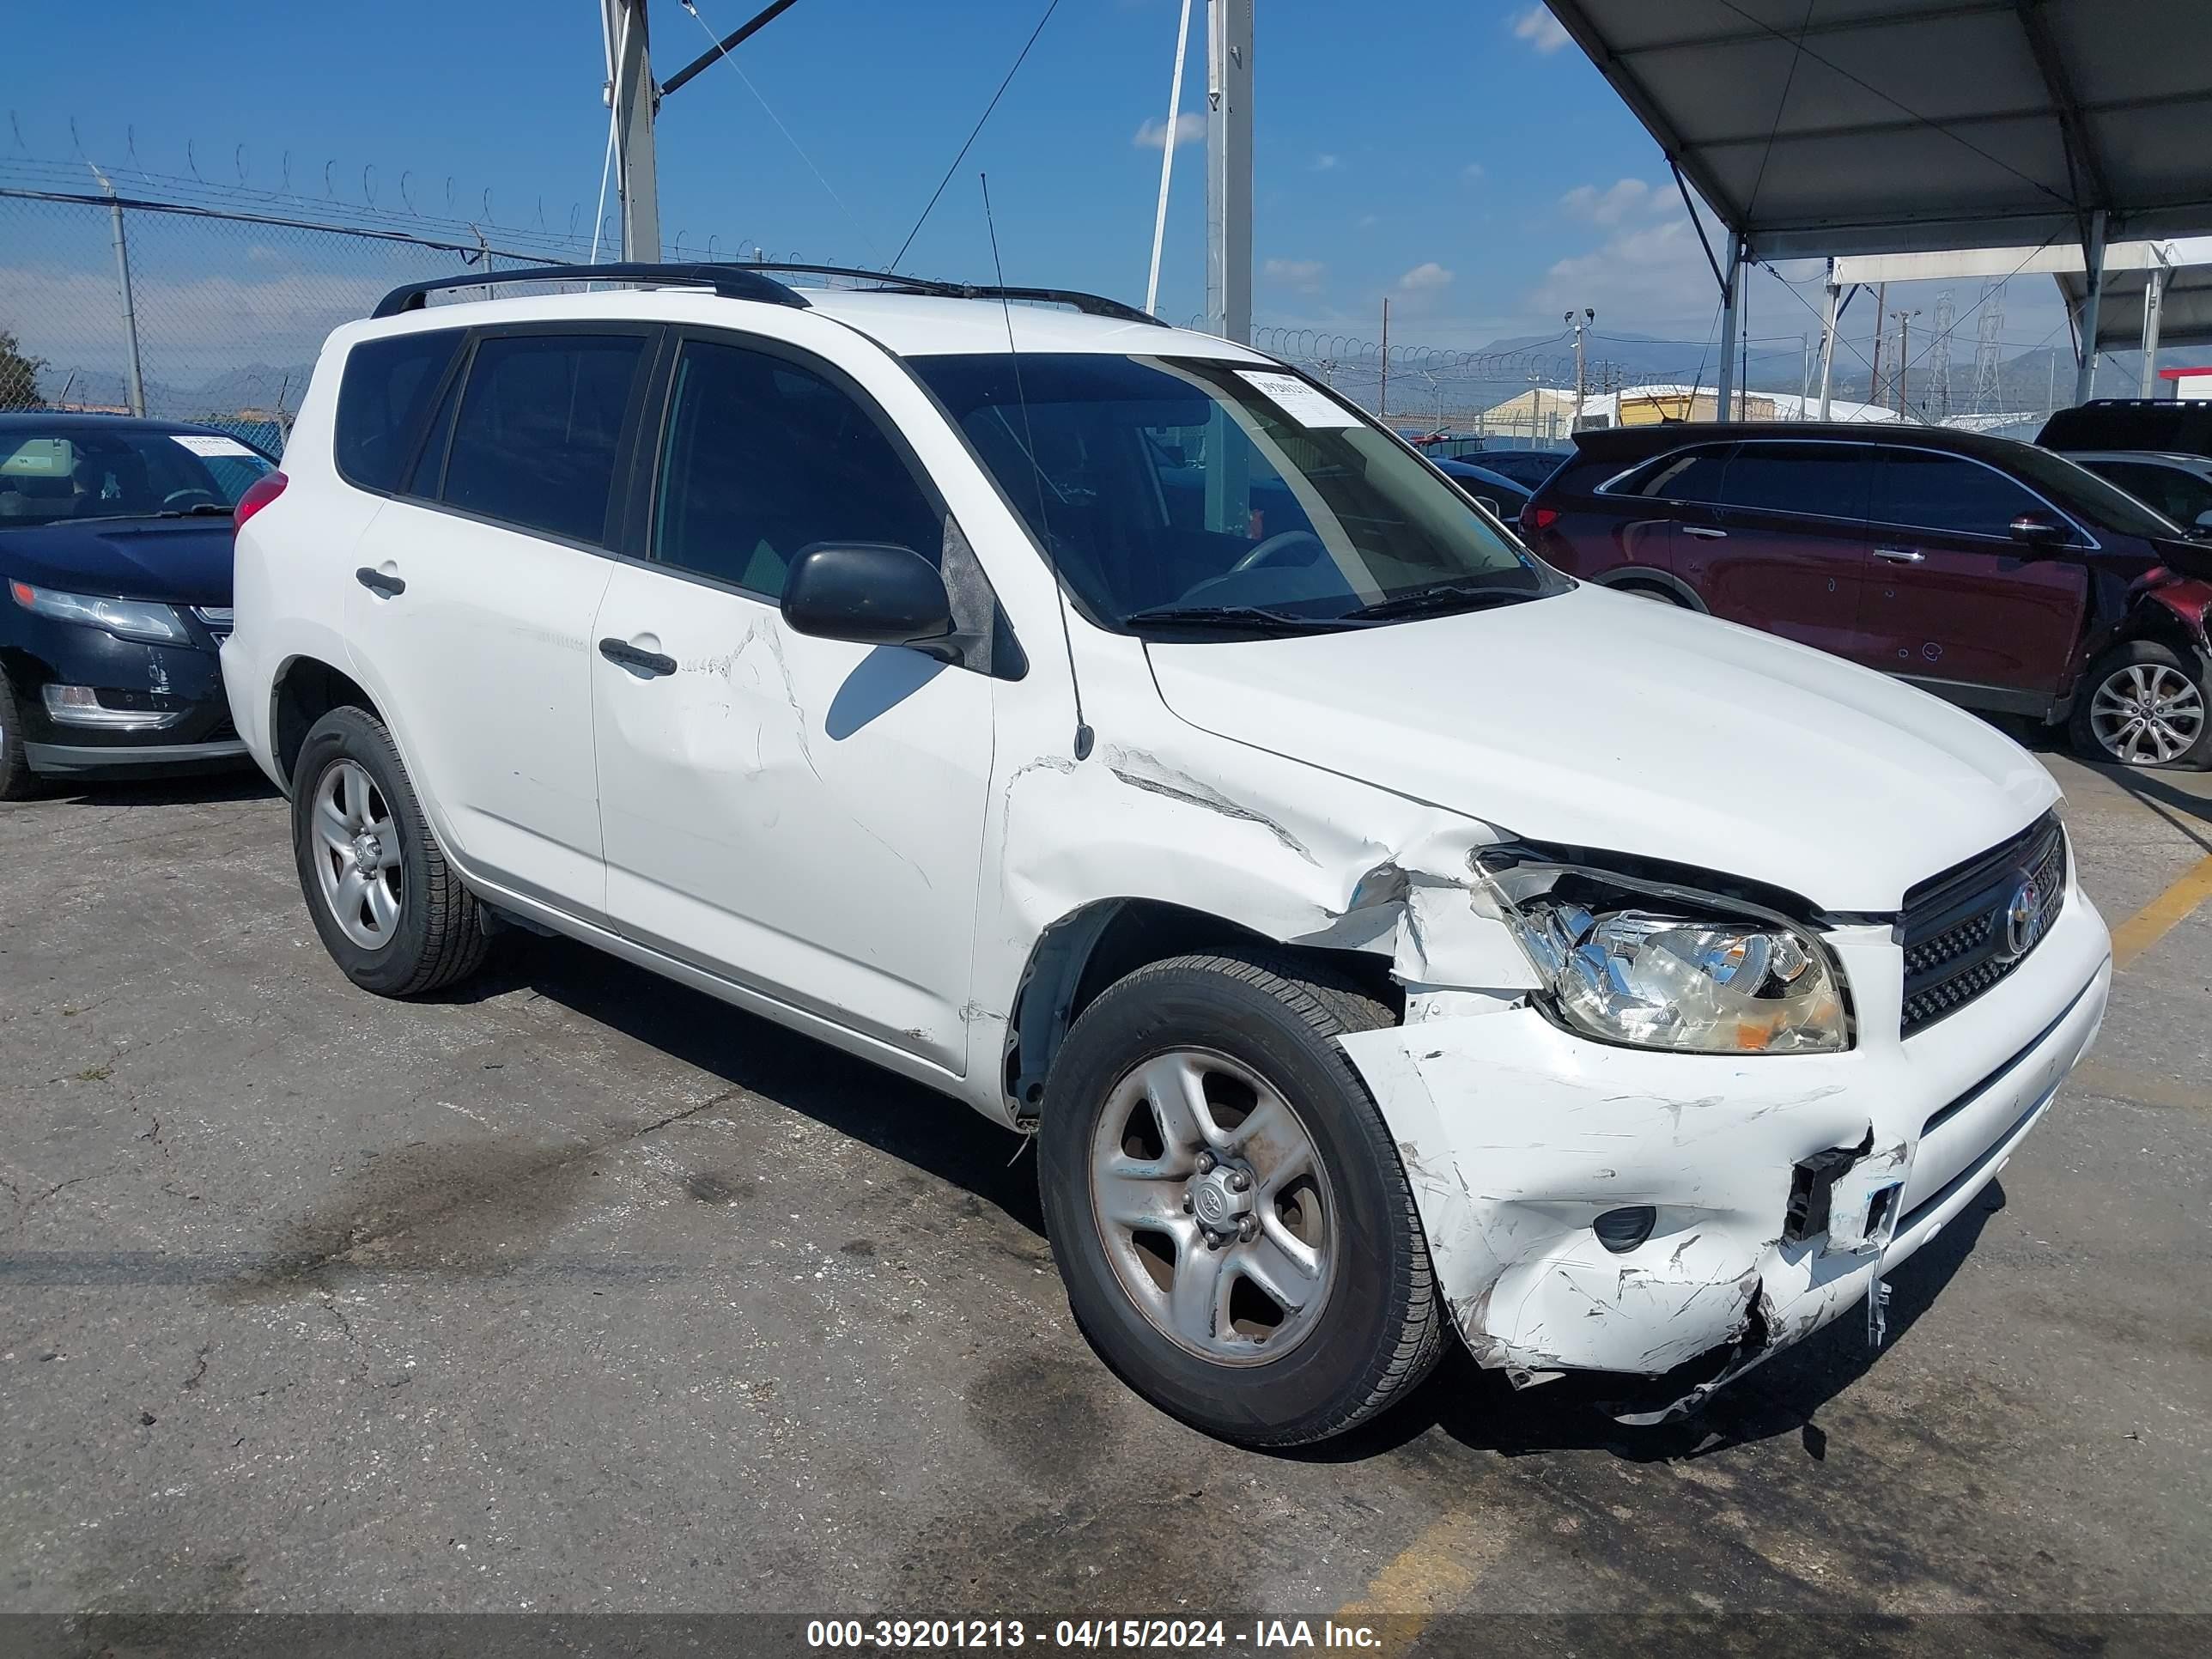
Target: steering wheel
[1267,550]
[175,496]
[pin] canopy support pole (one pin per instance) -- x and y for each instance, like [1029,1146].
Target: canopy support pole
[2153,303]
[1828,338]
[1731,301]
[2093,256]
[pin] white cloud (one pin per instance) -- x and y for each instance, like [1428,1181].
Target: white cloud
[1652,277]
[1426,278]
[1368,221]
[1304,275]
[1471,170]
[1324,164]
[1190,129]
[1539,29]
[1608,206]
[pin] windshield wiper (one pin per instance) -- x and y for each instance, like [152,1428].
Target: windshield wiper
[196,510]
[1436,599]
[1233,616]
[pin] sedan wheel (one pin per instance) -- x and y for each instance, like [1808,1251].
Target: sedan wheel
[357,848]
[2146,714]
[1214,1207]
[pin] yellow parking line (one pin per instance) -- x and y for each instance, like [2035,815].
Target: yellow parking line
[1432,1574]
[2157,919]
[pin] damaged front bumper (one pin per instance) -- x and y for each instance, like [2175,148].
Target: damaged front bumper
[1782,1186]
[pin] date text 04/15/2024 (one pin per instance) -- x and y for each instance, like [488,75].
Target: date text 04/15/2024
[1125,1635]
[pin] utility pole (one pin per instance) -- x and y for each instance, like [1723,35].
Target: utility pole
[1589,317]
[1383,398]
[1881,300]
[1904,356]
[1228,169]
[138,384]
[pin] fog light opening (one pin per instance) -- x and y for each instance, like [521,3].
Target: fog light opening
[1622,1230]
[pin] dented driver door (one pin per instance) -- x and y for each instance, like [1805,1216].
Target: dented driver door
[801,815]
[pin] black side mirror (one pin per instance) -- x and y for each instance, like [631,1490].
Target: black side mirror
[869,593]
[2038,530]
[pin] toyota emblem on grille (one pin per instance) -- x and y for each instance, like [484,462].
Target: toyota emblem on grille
[2023,919]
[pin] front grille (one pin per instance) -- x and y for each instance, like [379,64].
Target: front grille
[1959,933]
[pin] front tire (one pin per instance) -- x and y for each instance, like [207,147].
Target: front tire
[391,911]
[1229,1214]
[2144,704]
[17,781]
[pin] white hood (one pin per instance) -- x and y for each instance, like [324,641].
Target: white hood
[1604,722]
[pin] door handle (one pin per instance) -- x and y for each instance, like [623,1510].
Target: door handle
[1901,554]
[376,581]
[651,664]
[1705,533]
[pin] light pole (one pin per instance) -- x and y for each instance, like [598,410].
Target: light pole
[1589,317]
[1904,355]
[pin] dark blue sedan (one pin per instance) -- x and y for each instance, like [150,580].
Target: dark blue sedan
[115,537]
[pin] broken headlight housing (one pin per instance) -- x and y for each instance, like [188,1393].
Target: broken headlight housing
[1656,966]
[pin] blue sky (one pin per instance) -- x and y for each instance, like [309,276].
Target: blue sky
[1465,160]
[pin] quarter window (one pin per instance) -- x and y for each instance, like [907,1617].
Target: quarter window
[764,457]
[382,396]
[1928,491]
[1693,475]
[539,431]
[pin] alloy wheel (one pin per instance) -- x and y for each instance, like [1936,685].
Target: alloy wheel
[1214,1207]
[2146,714]
[357,854]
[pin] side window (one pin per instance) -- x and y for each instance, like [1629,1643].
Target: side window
[2181,496]
[381,398]
[1928,491]
[1689,474]
[538,432]
[1830,480]
[763,458]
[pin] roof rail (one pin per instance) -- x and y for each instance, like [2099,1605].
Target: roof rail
[732,281]
[1091,305]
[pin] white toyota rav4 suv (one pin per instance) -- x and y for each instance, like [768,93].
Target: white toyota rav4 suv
[1106,726]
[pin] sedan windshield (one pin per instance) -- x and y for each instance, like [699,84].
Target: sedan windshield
[78,472]
[1177,494]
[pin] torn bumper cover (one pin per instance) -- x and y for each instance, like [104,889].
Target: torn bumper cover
[1781,1186]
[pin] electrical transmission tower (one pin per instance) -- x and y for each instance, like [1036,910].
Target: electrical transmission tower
[1939,357]
[1988,337]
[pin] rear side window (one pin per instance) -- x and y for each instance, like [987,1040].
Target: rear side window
[1928,491]
[382,397]
[2180,495]
[764,457]
[538,432]
[1827,480]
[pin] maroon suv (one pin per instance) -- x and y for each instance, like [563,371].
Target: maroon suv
[1994,574]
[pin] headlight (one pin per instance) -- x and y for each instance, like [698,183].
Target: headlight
[130,619]
[1631,962]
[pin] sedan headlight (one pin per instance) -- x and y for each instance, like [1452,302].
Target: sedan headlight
[130,619]
[1660,967]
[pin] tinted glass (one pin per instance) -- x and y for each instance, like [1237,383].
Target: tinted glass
[429,468]
[88,471]
[764,457]
[1690,475]
[539,431]
[382,399]
[2168,425]
[1830,480]
[1927,490]
[2178,495]
[1234,495]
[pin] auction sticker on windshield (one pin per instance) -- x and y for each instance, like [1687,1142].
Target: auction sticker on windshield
[202,444]
[1303,403]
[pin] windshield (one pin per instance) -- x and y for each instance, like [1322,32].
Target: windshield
[1176,493]
[78,472]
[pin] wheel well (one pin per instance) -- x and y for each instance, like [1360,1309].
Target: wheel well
[2151,620]
[1654,581]
[1081,955]
[306,691]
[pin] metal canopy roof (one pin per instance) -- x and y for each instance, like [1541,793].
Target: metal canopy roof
[1866,126]
[2185,305]
[2185,312]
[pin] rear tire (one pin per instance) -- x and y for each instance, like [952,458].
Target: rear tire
[17,781]
[1257,1031]
[2144,704]
[391,911]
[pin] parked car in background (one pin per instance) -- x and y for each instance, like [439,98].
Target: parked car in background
[1499,495]
[810,648]
[1997,575]
[2176,486]
[1527,467]
[2166,426]
[115,537]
